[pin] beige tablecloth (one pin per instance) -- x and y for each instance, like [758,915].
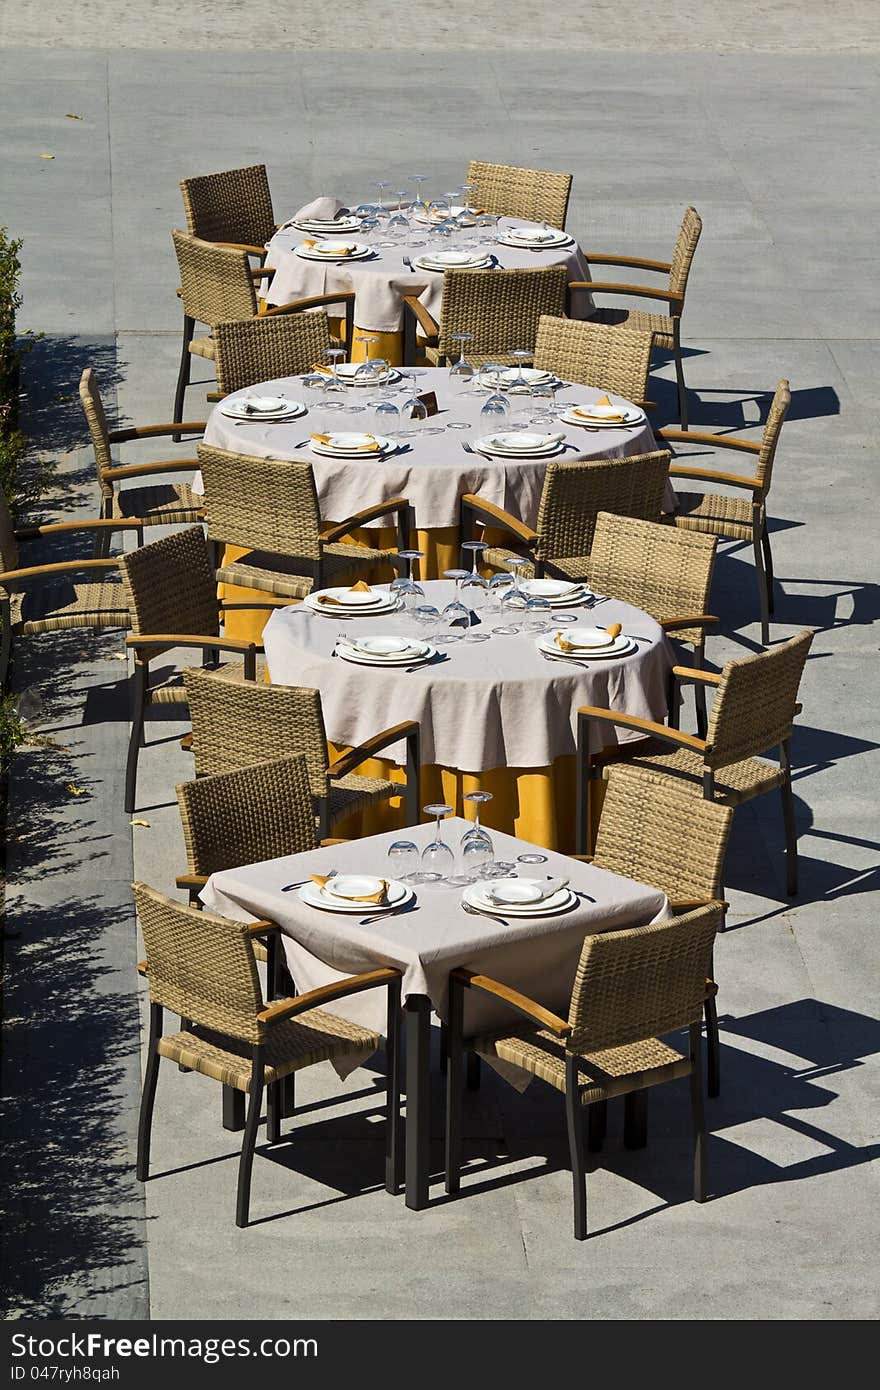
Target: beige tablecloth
[381,282]
[433,470]
[537,955]
[491,704]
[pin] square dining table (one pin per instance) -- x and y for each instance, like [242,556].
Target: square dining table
[426,940]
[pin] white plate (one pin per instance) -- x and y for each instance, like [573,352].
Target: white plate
[475,894]
[313,896]
[519,892]
[553,589]
[353,598]
[536,236]
[347,652]
[328,228]
[452,260]
[618,646]
[389,604]
[357,254]
[282,410]
[347,372]
[533,376]
[631,416]
[351,887]
[513,444]
[349,450]
[388,648]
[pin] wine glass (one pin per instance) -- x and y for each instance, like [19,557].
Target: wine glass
[461,373]
[538,616]
[333,356]
[468,190]
[398,223]
[418,207]
[477,799]
[513,609]
[427,620]
[413,415]
[477,858]
[366,370]
[473,592]
[486,228]
[386,419]
[499,585]
[403,861]
[476,549]
[521,356]
[438,860]
[404,583]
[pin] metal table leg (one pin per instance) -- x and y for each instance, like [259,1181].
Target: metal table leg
[417,1011]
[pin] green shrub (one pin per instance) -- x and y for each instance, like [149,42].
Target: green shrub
[10,302]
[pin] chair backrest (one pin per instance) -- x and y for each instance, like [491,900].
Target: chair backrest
[200,966]
[575,491]
[753,709]
[96,419]
[170,586]
[643,981]
[215,280]
[244,817]
[247,351]
[235,205]
[656,831]
[264,504]
[534,194]
[610,359]
[500,309]
[236,724]
[683,253]
[662,569]
[779,408]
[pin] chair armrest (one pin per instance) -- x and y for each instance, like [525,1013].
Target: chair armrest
[143,470]
[426,322]
[153,431]
[649,727]
[483,510]
[709,475]
[393,504]
[59,567]
[637,261]
[262,928]
[56,528]
[717,441]
[332,840]
[675,301]
[689,620]
[691,674]
[317,998]
[191,880]
[242,246]
[520,1003]
[355,756]
[315,301]
[218,644]
[681,905]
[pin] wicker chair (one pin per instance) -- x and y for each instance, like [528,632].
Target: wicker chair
[737,518]
[45,597]
[665,328]
[233,208]
[630,986]
[172,598]
[534,194]
[271,507]
[202,967]
[163,504]
[753,711]
[238,724]
[217,286]
[247,351]
[501,309]
[610,359]
[654,831]
[574,493]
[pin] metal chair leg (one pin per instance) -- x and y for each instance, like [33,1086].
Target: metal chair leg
[189,325]
[635,1120]
[597,1124]
[248,1143]
[698,1112]
[139,693]
[148,1095]
[679,377]
[768,565]
[453,1088]
[575,1124]
[713,1048]
[393,1126]
[474,1071]
[273,1112]
[762,586]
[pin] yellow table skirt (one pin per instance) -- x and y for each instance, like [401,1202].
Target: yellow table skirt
[387,345]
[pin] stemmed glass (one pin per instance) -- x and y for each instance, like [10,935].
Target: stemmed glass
[413,411]
[456,616]
[487,228]
[403,582]
[333,356]
[403,861]
[476,848]
[513,602]
[398,224]
[476,549]
[438,860]
[466,190]
[366,371]
[521,356]
[461,373]
[418,207]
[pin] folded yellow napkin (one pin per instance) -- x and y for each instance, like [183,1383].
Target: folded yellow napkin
[311,245]
[321,367]
[603,400]
[356,448]
[379,898]
[565,646]
[361,587]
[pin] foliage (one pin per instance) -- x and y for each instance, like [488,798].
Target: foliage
[10,302]
[13,732]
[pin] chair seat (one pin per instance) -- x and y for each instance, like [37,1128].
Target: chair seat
[576,567]
[734,784]
[314,1036]
[275,574]
[172,691]
[612,1072]
[202,347]
[159,505]
[642,320]
[57,607]
[350,793]
[710,512]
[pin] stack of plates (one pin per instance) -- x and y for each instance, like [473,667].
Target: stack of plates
[261,408]
[327,226]
[352,602]
[384,651]
[587,642]
[335,251]
[348,445]
[559,593]
[453,260]
[348,888]
[532,376]
[462,214]
[598,416]
[347,372]
[519,444]
[517,897]
[536,238]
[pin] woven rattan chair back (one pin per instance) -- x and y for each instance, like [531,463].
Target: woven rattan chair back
[236,724]
[99,430]
[235,205]
[201,966]
[244,817]
[8,543]
[247,351]
[641,982]
[646,564]
[657,832]
[264,504]
[170,587]
[683,253]
[576,490]
[779,408]
[610,359]
[534,194]
[754,705]
[501,310]
[215,280]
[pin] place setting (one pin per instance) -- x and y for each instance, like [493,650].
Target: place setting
[334,250]
[536,238]
[516,380]
[576,644]
[352,444]
[454,260]
[353,894]
[357,601]
[381,650]
[261,408]
[520,444]
[604,414]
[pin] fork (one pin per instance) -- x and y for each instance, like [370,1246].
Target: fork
[566,661]
[289,886]
[409,265]
[467,447]
[366,921]
[478,912]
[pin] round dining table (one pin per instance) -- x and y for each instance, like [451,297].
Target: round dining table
[494,715]
[382,279]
